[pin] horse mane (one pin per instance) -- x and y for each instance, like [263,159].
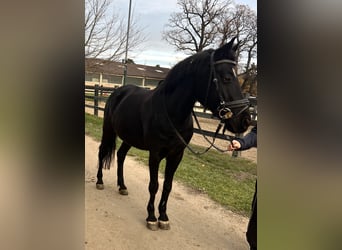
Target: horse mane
[185,67]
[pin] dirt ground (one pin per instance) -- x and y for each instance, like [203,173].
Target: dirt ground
[115,222]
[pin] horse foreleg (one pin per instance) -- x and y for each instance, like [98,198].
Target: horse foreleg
[121,155]
[172,163]
[152,222]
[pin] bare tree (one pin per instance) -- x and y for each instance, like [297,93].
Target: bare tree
[240,22]
[105,31]
[207,23]
[194,29]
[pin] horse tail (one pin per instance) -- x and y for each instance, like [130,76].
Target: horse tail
[108,141]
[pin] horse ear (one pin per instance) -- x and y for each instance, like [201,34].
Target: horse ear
[224,50]
[236,46]
[231,42]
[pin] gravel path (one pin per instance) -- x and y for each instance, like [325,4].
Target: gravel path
[118,222]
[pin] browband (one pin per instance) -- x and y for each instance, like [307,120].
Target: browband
[225,61]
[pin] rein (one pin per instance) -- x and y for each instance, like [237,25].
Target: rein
[212,143]
[186,144]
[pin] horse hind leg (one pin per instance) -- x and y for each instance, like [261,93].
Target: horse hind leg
[99,183]
[106,150]
[121,155]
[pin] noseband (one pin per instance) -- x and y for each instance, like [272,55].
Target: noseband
[224,109]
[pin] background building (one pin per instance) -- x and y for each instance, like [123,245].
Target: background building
[110,74]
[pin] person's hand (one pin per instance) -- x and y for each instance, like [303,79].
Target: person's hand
[234,145]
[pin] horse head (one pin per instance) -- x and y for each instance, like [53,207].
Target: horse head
[223,94]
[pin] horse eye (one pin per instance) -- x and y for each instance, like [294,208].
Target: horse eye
[227,79]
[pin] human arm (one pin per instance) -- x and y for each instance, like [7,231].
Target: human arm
[248,141]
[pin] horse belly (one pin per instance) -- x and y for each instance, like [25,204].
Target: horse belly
[133,139]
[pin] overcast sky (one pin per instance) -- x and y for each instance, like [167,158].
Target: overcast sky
[152,15]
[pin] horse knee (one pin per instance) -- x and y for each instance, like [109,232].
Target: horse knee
[168,187]
[153,187]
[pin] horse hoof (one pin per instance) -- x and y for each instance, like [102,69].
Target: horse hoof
[165,225]
[152,225]
[123,191]
[100,186]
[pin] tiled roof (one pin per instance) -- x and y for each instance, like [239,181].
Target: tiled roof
[117,68]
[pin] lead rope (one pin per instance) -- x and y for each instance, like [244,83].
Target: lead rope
[182,139]
[212,143]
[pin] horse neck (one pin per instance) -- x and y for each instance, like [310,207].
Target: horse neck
[179,87]
[179,103]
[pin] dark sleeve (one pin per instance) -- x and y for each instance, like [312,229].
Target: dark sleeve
[249,140]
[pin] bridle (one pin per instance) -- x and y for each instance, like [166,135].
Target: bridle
[224,108]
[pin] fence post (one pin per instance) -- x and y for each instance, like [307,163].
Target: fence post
[96,99]
[237,153]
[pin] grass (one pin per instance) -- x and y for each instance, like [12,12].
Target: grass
[227,180]
[93,126]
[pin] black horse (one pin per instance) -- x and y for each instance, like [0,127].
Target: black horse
[160,120]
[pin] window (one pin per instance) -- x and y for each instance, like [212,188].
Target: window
[134,81]
[112,79]
[92,77]
[151,82]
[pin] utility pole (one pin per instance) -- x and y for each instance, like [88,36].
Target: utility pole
[128,26]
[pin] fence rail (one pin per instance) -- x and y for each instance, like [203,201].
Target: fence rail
[98,94]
